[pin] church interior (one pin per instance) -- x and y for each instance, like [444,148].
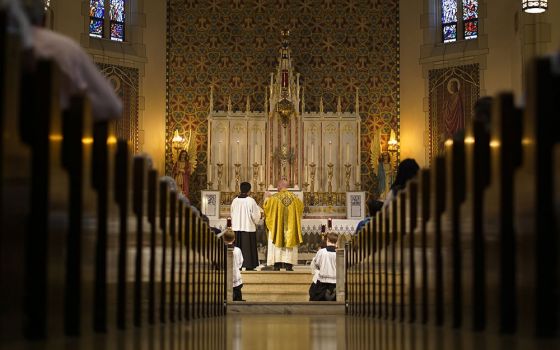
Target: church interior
[128,128]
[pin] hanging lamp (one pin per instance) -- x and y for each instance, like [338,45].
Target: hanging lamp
[534,6]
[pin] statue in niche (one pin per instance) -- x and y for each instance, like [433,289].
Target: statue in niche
[384,174]
[181,172]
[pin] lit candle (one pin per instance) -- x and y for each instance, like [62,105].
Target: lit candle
[237,153]
[330,151]
[347,153]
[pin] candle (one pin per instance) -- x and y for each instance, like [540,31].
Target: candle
[256,153]
[262,172]
[237,153]
[210,173]
[347,153]
[220,152]
[312,153]
[330,151]
[306,174]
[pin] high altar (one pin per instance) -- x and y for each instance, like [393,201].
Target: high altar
[317,152]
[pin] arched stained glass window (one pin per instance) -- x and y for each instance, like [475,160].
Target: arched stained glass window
[107,24]
[451,27]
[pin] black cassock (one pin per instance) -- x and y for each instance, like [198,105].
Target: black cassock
[247,242]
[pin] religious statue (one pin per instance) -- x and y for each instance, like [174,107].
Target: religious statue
[384,174]
[185,161]
[181,172]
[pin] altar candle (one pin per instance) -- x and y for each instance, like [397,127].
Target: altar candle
[237,153]
[256,153]
[220,152]
[262,173]
[210,173]
[312,153]
[347,153]
[306,174]
[330,151]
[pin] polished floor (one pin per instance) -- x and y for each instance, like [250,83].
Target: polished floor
[291,332]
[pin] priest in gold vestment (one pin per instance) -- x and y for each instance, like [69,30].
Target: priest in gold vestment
[283,212]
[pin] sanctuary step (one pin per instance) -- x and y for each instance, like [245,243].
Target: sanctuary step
[277,286]
[290,308]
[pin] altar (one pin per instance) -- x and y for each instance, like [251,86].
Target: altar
[317,152]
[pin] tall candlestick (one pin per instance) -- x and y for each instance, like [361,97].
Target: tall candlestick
[237,153]
[330,151]
[347,153]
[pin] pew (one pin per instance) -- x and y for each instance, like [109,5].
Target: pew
[90,241]
[472,243]
[536,205]
[15,186]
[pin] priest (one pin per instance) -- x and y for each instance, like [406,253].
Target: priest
[283,212]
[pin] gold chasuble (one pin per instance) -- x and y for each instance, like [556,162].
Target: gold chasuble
[283,212]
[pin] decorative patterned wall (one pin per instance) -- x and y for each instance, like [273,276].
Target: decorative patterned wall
[453,92]
[126,84]
[337,45]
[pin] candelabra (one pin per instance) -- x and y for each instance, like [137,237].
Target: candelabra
[312,185]
[237,177]
[255,173]
[330,196]
[347,173]
[220,174]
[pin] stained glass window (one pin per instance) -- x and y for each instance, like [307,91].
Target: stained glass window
[452,14]
[96,18]
[117,20]
[449,20]
[115,16]
[470,18]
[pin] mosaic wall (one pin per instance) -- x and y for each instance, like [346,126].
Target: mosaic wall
[452,95]
[337,45]
[125,81]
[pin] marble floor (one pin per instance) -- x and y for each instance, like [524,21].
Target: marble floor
[291,332]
